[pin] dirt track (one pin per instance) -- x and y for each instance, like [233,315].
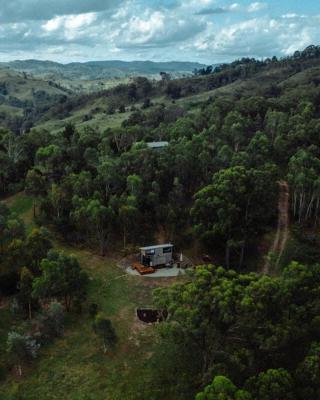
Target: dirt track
[282,234]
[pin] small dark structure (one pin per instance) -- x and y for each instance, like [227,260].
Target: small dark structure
[206,258]
[157,255]
[150,316]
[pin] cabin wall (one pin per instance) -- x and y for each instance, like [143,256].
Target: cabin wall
[159,257]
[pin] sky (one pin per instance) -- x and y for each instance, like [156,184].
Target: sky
[207,31]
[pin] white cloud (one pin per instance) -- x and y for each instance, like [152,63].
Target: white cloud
[69,22]
[261,37]
[203,30]
[156,28]
[78,21]
[254,7]
[234,7]
[53,24]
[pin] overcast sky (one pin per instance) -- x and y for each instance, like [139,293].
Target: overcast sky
[208,31]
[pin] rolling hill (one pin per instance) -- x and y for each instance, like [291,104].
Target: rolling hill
[21,95]
[100,69]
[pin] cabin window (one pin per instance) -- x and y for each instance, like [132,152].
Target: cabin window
[150,252]
[167,250]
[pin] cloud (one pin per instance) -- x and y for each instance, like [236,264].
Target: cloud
[220,10]
[212,11]
[71,30]
[234,7]
[261,37]
[69,22]
[32,10]
[153,29]
[254,7]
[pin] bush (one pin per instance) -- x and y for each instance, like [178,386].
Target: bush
[93,310]
[50,323]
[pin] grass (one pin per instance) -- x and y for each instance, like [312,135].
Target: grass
[92,85]
[74,365]
[22,205]
[99,121]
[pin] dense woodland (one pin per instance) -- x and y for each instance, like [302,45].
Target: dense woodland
[214,188]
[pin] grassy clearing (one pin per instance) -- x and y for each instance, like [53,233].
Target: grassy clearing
[99,121]
[74,365]
[92,85]
[22,205]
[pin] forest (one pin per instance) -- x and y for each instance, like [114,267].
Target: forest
[236,329]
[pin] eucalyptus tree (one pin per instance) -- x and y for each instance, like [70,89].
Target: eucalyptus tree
[303,177]
[61,278]
[235,207]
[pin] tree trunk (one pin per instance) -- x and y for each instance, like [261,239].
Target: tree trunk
[124,238]
[309,209]
[102,247]
[30,310]
[227,256]
[67,302]
[242,255]
[316,212]
[300,207]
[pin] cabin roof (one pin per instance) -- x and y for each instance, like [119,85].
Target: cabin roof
[157,246]
[156,145]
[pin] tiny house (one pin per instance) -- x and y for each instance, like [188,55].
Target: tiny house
[157,255]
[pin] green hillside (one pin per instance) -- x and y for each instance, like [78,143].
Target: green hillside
[21,95]
[238,79]
[101,69]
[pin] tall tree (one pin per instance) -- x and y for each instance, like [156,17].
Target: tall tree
[21,348]
[35,186]
[25,289]
[235,207]
[62,278]
[222,388]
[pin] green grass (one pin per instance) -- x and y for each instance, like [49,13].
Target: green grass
[22,205]
[99,121]
[74,366]
[91,85]
[23,88]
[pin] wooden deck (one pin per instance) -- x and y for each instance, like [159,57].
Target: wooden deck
[142,269]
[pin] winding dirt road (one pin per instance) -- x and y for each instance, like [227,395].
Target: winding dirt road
[282,234]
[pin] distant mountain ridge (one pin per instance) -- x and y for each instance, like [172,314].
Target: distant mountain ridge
[101,69]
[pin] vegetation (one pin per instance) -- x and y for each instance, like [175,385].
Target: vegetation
[232,332]
[242,324]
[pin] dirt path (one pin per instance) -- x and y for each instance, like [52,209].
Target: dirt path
[282,234]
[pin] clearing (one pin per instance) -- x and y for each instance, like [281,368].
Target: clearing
[75,365]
